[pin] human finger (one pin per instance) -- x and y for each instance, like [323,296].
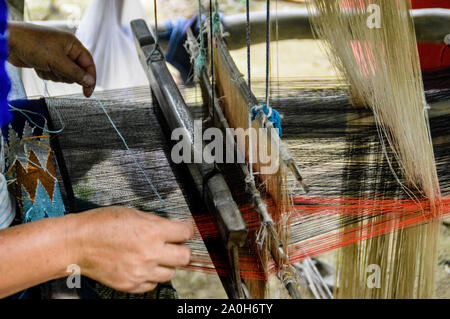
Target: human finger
[175,255]
[176,231]
[83,58]
[161,274]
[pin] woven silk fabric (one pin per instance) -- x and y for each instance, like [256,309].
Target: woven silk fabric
[7,205]
[30,163]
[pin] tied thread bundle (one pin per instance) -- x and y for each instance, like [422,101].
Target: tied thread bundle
[382,67]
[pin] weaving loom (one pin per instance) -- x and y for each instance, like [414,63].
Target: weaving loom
[341,183]
[353,195]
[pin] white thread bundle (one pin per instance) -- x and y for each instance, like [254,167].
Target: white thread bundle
[379,59]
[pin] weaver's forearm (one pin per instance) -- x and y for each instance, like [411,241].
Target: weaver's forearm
[34,253]
[123,248]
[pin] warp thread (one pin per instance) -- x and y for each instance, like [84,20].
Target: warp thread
[31,121]
[139,166]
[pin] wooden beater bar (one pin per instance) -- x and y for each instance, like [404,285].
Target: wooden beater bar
[219,120]
[209,182]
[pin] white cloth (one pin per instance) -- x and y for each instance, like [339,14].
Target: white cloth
[104,30]
[113,50]
[7,205]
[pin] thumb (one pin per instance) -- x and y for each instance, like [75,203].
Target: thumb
[83,58]
[68,69]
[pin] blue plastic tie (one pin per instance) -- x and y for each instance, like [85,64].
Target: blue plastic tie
[274,117]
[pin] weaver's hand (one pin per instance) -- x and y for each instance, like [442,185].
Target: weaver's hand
[55,55]
[129,250]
